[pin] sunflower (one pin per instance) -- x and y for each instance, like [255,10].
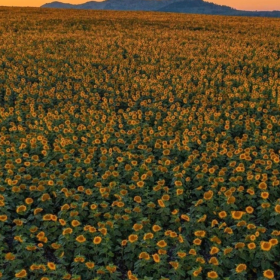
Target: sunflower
[45,197]
[277,208]
[55,246]
[53,218]
[144,255]
[103,231]
[212,275]
[262,186]
[214,250]
[75,223]
[140,184]
[120,204]
[200,260]
[29,200]
[79,259]
[62,222]
[192,252]
[251,246]
[181,254]
[237,215]
[231,200]
[148,235]
[180,238]
[21,208]
[156,228]
[179,191]
[249,209]
[161,244]
[273,241]
[161,203]
[200,233]
[18,160]
[228,230]
[67,231]
[137,227]
[111,268]
[65,207]
[131,276]
[166,152]
[47,217]
[265,195]
[265,205]
[208,195]
[186,217]
[10,257]
[222,214]
[156,258]
[97,240]
[175,265]
[162,252]
[240,268]
[200,201]
[250,191]
[197,271]
[3,218]
[197,241]
[31,248]
[138,199]
[81,239]
[239,245]
[178,183]
[214,261]
[51,266]
[132,238]
[34,267]
[266,246]
[165,197]
[202,219]
[275,232]
[21,274]
[40,234]
[90,265]
[269,274]
[251,226]
[99,271]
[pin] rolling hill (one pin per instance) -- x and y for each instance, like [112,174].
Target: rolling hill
[175,6]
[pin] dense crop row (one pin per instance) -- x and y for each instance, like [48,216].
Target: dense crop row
[138,146]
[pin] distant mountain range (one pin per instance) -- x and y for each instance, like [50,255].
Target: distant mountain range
[175,6]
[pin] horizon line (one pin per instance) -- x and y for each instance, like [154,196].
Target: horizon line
[238,9]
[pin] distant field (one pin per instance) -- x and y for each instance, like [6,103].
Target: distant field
[138,145]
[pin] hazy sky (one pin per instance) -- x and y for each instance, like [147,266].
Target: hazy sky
[261,5]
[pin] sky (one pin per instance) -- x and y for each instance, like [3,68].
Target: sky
[250,5]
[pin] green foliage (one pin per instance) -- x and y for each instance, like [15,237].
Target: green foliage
[145,151]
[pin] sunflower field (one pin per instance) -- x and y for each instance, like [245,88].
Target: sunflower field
[138,145]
